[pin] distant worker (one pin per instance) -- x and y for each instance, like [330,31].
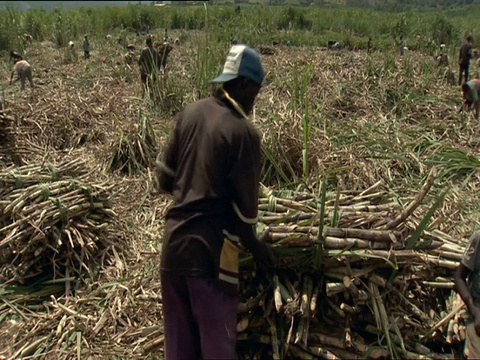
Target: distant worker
[149,61]
[165,37]
[401,44]
[27,38]
[369,45]
[24,71]
[71,48]
[163,50]
[464,57]
[86,48]
[471,94]
[467,284]
[442,59]
[129,57]
[333,45]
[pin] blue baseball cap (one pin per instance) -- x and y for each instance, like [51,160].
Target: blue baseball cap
[242,61]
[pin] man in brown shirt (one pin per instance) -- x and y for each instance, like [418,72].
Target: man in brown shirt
[211,166]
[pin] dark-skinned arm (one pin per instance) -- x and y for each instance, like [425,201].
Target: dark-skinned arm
[166,163]
[244,179]
[477,105]
[11,77]
[257,246]
[164,171]
[460,276]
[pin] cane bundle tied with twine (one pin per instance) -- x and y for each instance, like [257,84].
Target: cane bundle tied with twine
[52,222]
[358,276]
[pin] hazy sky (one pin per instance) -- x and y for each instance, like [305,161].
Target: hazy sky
[24,5]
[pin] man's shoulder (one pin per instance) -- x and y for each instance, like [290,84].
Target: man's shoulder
[472,248]
[220,116]
[21,63]
[466,47]
[210,106]
[475,236]
[197,110]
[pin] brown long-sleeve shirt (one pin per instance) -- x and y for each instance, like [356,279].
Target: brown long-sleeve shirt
[212,168]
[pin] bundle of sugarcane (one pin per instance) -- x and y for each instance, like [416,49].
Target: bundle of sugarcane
[5,127]
[51,223]
[133,151]
[451,329]
[7,141]
[357,263]
[16,177]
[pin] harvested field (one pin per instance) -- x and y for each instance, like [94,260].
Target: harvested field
[346,120]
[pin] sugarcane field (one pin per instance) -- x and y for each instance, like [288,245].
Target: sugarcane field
[369,185]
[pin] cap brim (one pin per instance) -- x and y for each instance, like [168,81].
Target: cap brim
[224,78]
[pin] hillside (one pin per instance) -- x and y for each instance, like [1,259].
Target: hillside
[50,5]
[394,5]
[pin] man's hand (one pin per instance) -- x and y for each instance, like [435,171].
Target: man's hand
[466,104]
[264,256]
[265,236]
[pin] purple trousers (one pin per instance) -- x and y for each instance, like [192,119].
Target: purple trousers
[200,321]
